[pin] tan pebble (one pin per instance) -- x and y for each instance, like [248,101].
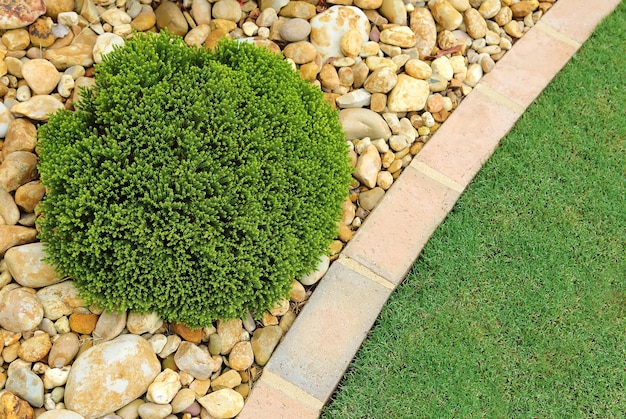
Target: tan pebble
[145,20]
[512,28]
[401,36]
[441,115]
[475,24]
[309,71]
[384,180]
[241,357]
[344,233]
[169,16]
[287,320]
[41,75]
[35,348]
[395,165]
[351,43]
[297,293]
[214,38]
[378,102]
[243,389]
[368,4]
[200,387]
[346,76]
[300,52]
[14,67]
[374,63]
[223,24]
[299,9]
[434,103]
[230,333]
[369,49]
[197,35]
[334,248]
[280,308]
[269,319]
[17,169]
[504,16]
[446,15]
[329,77]
[360,72]
[524,8]
[489,8]
[369,199]
[544,6]
[487,64]
[224,403]
[394,10]
[28,195]
[381,80]
[63,350]
[418,69]
[9,212]
[16,39]
[416,147]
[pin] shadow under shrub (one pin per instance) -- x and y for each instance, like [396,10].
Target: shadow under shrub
[191,183]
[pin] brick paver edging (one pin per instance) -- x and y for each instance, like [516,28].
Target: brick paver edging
[306,367]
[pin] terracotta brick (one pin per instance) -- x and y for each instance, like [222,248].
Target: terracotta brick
[468,138]
[330,329]
[578,18]
[527,69]
[394,234]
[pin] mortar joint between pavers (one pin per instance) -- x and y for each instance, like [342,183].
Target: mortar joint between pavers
[291,390]
[556,34]
[436,175]
[365,271]
[499,98]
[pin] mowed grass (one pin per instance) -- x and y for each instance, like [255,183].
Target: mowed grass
[517,305]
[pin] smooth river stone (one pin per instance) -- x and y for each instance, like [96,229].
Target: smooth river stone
[20,13]
[27,266]
[222,404]
[328,27]
[20,309]
[394,11]
[446,15]
[118,372]
[408,95]
[367,166]
[14,236]
[41,75]
[359,123]
[60,299]
[79,52]
[38,107]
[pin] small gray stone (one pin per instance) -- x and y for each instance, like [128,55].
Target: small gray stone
[26,384]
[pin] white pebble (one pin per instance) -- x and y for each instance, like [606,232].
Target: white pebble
[250,28]
[23,93]
[66,85]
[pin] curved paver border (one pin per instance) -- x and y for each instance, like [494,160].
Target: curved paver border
[305,369]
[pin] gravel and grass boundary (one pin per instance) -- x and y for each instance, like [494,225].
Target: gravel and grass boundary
[517,305]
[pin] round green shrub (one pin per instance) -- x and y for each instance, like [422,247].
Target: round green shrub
[191,183]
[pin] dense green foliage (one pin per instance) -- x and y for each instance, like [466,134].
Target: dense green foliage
[191,183]
[517,306]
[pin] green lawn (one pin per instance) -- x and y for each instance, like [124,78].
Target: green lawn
[517,305]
